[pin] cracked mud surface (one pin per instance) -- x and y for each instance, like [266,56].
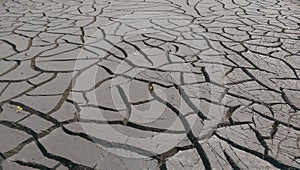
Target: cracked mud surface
[169,84]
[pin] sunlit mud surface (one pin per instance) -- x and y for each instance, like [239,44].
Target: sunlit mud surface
[153,84]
